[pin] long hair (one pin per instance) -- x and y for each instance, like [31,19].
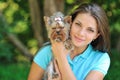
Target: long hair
[102,43]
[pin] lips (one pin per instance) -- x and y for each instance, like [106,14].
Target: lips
[78,39]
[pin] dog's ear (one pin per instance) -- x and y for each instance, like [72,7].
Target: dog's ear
[68,19]
[46,20]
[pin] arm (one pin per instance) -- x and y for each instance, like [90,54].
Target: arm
[65,69]
[63,65]
[95,75]
[36,72]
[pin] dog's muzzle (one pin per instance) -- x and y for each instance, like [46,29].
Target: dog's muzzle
[58,35]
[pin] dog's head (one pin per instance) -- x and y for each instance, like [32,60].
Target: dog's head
[58,26]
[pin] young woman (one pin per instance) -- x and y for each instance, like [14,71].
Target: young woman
[89,60]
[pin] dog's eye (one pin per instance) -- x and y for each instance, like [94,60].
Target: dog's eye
[61,27]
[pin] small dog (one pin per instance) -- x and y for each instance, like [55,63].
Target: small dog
[58,28]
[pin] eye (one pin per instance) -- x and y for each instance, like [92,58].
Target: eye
[78,24]
[61,27]
[91,30]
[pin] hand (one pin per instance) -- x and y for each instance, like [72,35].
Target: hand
[58,49]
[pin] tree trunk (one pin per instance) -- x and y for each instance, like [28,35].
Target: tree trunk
[36,21]
[52,6]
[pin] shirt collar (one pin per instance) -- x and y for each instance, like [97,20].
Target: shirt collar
[86,53]
[83,55]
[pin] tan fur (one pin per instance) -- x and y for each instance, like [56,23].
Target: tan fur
[58,28]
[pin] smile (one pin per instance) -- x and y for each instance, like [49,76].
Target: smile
[78,39]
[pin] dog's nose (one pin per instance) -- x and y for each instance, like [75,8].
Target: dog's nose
[58,32]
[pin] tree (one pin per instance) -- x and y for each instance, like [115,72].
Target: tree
[25,21]
[53,6]
[36,20]
[37,11]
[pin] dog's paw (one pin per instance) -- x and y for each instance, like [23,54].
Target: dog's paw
[68,45]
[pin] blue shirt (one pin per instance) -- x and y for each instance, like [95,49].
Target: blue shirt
[81,65]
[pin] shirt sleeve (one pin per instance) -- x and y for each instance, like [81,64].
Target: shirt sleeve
[103,64]
[43,57]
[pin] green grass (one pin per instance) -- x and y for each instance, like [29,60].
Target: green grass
[16,71]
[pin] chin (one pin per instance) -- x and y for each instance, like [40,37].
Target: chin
[76,43]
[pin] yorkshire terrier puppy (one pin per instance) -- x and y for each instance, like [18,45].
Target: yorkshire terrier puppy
[58,28]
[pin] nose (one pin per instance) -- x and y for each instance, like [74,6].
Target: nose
[81,32]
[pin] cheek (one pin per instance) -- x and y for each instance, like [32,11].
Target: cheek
[91,37]
[94,36]
[72,30]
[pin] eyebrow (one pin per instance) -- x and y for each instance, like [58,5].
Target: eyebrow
[92,28]
[78,21]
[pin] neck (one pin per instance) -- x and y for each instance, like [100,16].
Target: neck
[77,51]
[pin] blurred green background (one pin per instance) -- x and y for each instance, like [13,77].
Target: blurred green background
[22,33]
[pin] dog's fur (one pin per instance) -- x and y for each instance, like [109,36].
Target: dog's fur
[58,28]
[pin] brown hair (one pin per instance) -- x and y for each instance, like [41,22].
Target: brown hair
[102,43]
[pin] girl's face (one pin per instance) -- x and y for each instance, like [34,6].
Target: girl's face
[83,30]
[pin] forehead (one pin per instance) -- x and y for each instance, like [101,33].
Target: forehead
[58,16]
[53,24]
[54,20]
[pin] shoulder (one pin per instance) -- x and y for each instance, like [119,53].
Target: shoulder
[101,55]
[96,54]
[44,51]
[102,61]
[104,57]
[43,56]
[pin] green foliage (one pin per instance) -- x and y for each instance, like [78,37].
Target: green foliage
[70,1]
[14,18]
[114,37]
[5,54]
[5,48]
